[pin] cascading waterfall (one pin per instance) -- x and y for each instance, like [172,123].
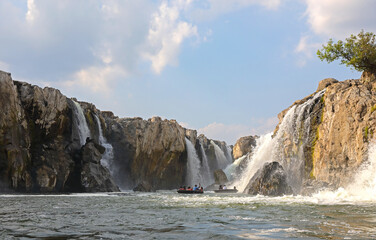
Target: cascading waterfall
[206,173]
[270,149]
[363,188]
[230,170]
[80,122]
[220,156]
[193,165]
[108,155]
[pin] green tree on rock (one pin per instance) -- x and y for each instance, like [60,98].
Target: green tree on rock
[357,52]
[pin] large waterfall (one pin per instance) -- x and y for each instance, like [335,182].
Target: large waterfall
[270,148]
[108,155]
[193,165]
[80,122]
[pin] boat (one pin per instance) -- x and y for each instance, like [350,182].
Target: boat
[190,191]
[226,191]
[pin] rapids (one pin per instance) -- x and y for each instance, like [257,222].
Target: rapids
[168,215]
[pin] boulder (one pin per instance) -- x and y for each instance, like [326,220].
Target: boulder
[271,180]
[243,146]
[325,83]
[144,187]
[220,177]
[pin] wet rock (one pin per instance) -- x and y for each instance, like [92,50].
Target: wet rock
[144,187]
[271,180]
[220,177]
[94,176]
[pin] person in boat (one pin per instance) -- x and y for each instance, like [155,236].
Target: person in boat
[189,188]
[224,187]
[220,187]
[195,188]
[182,188]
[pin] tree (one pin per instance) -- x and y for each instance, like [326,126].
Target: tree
[357,52]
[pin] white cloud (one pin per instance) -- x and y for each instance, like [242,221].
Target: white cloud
[97,79]
[306,49]
[166,34]
[340,18]
[232,132]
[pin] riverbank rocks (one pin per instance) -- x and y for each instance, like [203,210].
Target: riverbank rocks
[243,146]
[271,180]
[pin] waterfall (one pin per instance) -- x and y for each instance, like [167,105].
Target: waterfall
[219,155]
[231,170]
[80,122]
[229,154]
[108,155]
[270,149]
[362,188]
[193,165]
[206,173]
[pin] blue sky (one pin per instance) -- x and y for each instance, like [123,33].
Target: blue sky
[223,67]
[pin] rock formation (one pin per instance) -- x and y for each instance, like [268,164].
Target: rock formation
[243,146]
[38,144]
[339,127]
[270,180]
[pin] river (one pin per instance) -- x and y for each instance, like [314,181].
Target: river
[168,215]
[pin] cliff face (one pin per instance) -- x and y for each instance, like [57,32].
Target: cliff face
[39,149]
[50,143]
[151,151]
[338,122]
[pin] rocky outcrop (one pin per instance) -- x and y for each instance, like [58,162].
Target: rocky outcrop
[42,145]
[151,151]
[38,141]
[243,146]
[271,180]
[220,177]
[338,128]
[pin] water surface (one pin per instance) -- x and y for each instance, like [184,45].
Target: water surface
[168,215]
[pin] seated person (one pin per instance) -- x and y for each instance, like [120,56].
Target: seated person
[195,188]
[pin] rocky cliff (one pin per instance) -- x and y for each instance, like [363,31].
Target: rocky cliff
[333,129]
[40,150]
[51,143]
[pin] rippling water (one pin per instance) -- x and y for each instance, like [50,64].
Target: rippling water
[168,215]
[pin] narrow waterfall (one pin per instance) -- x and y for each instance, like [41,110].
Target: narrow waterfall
[270,149]
[229,154]
[206,173]
[193,165]
[220,156]
[108,155]
[80,122]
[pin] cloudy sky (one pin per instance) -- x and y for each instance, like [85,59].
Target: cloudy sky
[223,67]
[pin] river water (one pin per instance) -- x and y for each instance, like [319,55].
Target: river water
[168,215]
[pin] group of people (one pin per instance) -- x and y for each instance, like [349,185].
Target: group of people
[224,187]
[189,188]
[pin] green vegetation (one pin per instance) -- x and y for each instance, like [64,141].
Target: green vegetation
[366,134]
[357,52]
[373,108]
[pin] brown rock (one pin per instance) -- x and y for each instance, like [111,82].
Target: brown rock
[243,146]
